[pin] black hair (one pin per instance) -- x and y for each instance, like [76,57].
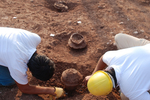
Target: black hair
[41,67]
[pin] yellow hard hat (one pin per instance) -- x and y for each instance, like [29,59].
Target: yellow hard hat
[100,84]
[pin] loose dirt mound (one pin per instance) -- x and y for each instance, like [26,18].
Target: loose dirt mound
[97,20]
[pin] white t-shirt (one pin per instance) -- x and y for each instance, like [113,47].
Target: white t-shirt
[16,48]
[132,68]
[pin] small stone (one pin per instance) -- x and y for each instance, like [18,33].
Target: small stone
[101,7]
[52,35]
[135,32]
[79,22]
[142,31]
[146,37]
[111,32]
[14,17]
[121,23]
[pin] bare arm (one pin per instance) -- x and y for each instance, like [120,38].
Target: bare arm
[30,89]
[100,66]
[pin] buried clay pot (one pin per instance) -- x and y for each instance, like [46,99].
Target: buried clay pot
[77,41]
[71,78]
[61,6]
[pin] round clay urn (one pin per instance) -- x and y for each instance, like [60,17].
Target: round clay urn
[71,78]
[76,41]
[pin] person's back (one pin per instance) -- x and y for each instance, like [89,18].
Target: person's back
[128,67]
[132,70]
[16,48]
[17,54]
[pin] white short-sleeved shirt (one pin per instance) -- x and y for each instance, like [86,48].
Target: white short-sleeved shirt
[132,68]
[16,48]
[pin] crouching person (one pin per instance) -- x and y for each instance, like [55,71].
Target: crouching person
[127,68]
[17,54]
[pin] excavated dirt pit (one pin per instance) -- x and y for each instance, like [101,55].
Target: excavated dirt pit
[97,20]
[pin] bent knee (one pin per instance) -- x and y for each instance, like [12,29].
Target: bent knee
[119,37]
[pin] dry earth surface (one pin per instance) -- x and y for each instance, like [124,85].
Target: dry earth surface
[97,20]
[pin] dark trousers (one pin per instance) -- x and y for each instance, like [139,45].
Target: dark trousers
[5,78]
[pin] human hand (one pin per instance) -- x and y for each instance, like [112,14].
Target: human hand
[59,92]
[86,79]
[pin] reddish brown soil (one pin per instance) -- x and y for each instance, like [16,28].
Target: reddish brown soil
[100,21]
